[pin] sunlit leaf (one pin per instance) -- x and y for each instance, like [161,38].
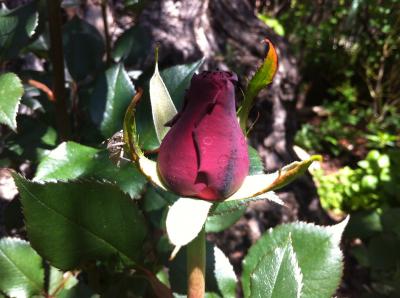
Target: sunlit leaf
[277,274]
[66,285]
[318,255]
[185,219]
[11,91]
[256,185]
[71,160]
[263,76]
[147,166]
[162,107]
[21,269]
[70,223]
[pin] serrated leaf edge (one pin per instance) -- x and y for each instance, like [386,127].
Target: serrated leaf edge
[24,242]
[293,257]
[117,250]
[12,122]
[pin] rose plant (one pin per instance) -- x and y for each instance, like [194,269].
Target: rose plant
[203,157]
[139,229]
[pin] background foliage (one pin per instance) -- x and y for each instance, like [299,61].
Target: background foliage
[349,55]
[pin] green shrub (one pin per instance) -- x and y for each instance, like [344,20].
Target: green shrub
[374,183]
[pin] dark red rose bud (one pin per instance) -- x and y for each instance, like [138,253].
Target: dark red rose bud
[204,154]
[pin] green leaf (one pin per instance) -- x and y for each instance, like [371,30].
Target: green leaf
[220,278]
[11,91]
[177,79]
[223,215]
[277,274]
[263,76]
[391,220]
[273,23]
[16,28]
[21,269]
[316,249]
[83,48]
[66,285]
[111,96]
[33,140]
[71,160]
[162,107]
[256,165]
[70,223]
[383,252]
[132,45]
[223,273]
[364,224]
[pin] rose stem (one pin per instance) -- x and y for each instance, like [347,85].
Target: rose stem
[196,265]
[57,59]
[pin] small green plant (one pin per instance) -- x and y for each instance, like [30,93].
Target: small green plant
[371,185]
[346,123]
[371,194]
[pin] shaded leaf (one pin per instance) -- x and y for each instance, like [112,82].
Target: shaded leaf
[364,224]
[317,251]
[263,76]
[159,289]
[223,215]
[33,140]
[132,45]
[383,252]
[391,220]
[21,269]
[226,213]
[16,28]
[71,160]
[83,48]
[85,219]
[177,79]
[111,96]
[11,91]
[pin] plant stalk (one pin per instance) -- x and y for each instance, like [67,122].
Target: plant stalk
[106,30]
[196,265]
[57,60]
